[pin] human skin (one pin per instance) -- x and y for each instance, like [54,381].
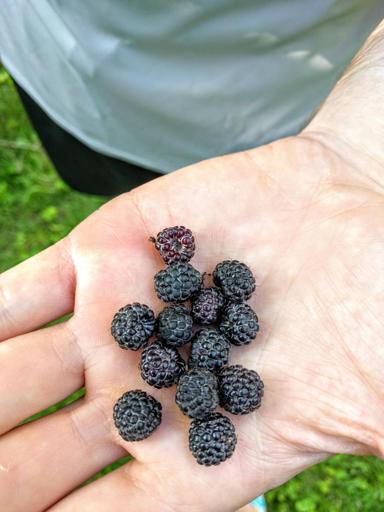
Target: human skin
[306,213]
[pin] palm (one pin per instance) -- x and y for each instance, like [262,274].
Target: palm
[297,216]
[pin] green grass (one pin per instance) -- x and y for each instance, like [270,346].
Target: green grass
[37,209]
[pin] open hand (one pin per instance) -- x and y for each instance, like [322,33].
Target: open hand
[312,230]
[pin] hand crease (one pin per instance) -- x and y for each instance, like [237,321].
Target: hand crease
[5,314]
[138,208]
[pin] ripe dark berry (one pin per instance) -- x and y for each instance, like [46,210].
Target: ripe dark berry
[133,325]
[207,305]
[212,439]
[136,415]
[239,323]
[196,393]
[235,280]
[240,389]
[161,366]
[178,282]
[174,325]
[210,350]
[175,244]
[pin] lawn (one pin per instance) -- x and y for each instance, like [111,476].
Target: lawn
[37,208]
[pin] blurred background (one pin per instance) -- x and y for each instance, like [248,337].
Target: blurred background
[37,209]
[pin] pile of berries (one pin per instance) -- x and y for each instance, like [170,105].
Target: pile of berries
[205,381]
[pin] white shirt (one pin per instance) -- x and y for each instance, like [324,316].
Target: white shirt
[166,83]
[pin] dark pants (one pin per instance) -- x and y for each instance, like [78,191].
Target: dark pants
[81,167]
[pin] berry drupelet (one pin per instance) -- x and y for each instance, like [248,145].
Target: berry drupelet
[196,393]
[239,323]
[210,350]
[174,325]
[133,325]
[240,389]
[207,305]
[175,245]
[161,366]
[178,282]
[136,415]
[212,439]
[235,280]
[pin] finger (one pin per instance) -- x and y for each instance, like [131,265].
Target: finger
[142,488]
[45,460]
[164,476]
[37,370]
[117,491]
[36,291]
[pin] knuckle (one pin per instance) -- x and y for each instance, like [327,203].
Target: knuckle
[90,423]
[65,344]
[6,319]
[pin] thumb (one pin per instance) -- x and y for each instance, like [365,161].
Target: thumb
[351,120]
